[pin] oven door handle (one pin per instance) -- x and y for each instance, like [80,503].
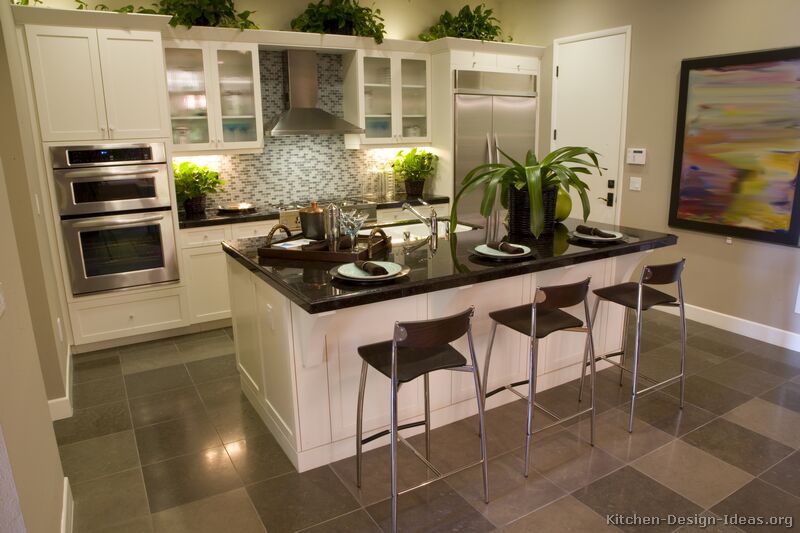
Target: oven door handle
[110,172]
[116,222]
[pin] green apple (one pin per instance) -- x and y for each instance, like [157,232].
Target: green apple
[560,239]
[563,204]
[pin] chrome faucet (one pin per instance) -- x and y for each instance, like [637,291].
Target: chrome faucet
[432,222]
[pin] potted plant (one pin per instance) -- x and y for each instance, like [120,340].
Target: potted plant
[529,191]
[221,13]
[341,17]
[413,168]
[479,23]
[192,184]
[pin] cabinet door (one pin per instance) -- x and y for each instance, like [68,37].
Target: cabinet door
[190,106]
[379,102]
[238,93]
[134,84]
[207,280]
[414,90]
[65,66]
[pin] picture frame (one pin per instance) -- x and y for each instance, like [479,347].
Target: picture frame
[736,169]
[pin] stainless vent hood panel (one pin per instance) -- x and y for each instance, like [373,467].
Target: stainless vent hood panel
[303,116]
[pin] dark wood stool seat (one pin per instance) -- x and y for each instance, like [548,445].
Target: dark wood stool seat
[547,320]
[627,294]
[411,362]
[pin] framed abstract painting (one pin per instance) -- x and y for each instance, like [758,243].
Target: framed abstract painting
[737,146]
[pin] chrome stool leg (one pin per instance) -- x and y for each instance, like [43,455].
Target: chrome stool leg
[586,351]
[531,399]
[624,347]
[426,380]
[393,444]
[636,346]
[683,341]
[492,333]
[592,366]
[360,420]
[479,396]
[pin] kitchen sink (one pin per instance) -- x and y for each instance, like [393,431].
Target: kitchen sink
[414,231]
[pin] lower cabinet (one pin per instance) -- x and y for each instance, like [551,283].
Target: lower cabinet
[207,281]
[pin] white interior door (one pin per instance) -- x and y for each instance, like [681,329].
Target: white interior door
[590,74]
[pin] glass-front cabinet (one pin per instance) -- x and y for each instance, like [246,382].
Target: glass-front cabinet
[395,98]
[214,96]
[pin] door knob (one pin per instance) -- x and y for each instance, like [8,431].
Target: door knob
[609,199]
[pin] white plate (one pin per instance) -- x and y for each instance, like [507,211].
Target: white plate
[484,250]
[616,236]
[351,271]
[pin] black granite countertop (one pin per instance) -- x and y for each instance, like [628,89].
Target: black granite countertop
[310,286]
[211,218]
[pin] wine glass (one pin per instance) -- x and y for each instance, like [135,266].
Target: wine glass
[350,223]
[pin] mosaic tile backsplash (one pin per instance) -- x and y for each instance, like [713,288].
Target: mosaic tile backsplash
[301,167]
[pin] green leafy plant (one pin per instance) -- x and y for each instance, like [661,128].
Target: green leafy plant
[25,2]
[414,165]
[192,181]
[560,167]
[189,13]
[341,17]
[479,23]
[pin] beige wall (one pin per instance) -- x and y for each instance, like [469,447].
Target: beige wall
[749,280]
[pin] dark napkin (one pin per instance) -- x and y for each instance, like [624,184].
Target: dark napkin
[589,230]
[505,247]
[371,268]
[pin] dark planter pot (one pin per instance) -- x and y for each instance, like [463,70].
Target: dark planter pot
[195,206]
[519,211]
[414,188]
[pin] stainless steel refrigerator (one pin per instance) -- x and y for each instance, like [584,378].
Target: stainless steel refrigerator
[492,110]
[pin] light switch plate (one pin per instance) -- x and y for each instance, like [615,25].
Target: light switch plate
[636,156]
[635,183]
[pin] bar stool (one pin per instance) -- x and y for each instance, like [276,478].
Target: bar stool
[538,320]
[417,349]
[640,297]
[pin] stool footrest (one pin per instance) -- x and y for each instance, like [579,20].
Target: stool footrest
[387,432]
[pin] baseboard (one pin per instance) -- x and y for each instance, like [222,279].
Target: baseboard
[62,407]
[67,508]
[741,326]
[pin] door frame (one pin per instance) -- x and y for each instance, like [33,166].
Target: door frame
[620,30]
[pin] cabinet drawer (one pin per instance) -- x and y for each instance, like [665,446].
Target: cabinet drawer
[255,229]
[521,63]
[204,236]
[467,59]
[113,318]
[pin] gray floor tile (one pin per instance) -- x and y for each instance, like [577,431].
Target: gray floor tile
[98,392]
[95,366]
[785,474]
[742,377]
[692,473]
[769,419]
[296,501]
[155,381]
[98,457]
[205,348]
[149,356]
[611,435]
[627,492]
[200,336]
[176,437]
[258,458]
[454,445]
[213,369]
[663,411]
[229,511]
[139,524]
[563,400]
[566,515]
[436,507]
[775,352]
[354,522]
[165,406]
[189,478]
[511,495]
[235,421]
[718,342]
[748,450]
[609,392]
[221,392]
[569,462]
[109,501]
[709,395]
[778,367]
[667,361]
[759,499]
[93,422]
[787,395]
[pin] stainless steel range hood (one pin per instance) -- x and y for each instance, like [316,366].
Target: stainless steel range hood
[303,116]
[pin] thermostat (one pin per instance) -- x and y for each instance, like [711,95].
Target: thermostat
[636,156]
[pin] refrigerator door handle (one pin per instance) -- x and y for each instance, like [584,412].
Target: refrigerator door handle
[496,149]
[489,148]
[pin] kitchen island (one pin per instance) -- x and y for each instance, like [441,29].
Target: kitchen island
[296,330]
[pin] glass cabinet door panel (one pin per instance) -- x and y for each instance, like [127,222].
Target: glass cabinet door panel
[377,97]
[187,95]
[414,78]
[237,98]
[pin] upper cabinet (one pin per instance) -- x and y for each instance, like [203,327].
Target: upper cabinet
[98,84]
[214,96]
[393,102]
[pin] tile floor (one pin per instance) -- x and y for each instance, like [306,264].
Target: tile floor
[162,440]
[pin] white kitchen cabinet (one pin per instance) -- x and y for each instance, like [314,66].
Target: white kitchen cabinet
[97,84]
[393,104]
[205,275]
[245,326]
[214,96]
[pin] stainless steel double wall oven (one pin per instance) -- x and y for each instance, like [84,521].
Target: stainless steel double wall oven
[116,216]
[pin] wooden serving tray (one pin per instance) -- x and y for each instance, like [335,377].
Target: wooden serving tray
[371,249]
